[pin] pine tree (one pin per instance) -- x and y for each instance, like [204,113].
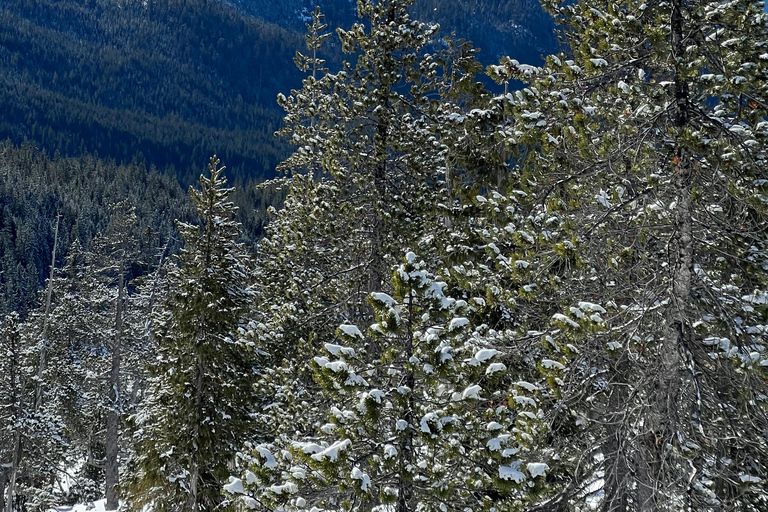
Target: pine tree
[366,184]
[434,423]
[646,153]
[197,408]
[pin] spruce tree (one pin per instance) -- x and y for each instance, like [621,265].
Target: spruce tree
[198,401]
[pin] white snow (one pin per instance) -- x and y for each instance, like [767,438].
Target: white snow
[591,307]
[390,452]
[525,401]
[495,367]
[537,469]
[509,473]
[424,423]
[308,448]
[756,297]
[269,459]
[559,317]
[471,393]
[235,486]
[458,323]
[494,444]
[365,480]
[96,506]
[485,354]
[351,330]
[337,366]
[377,395]
[383,298]
[332,452]
[286,488]
[550,364]
[527,385]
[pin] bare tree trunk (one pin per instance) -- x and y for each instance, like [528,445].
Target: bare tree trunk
[112,469]
[664,424]
[16,459]
[44,349]
[681,244]
[617,474]
[17,438]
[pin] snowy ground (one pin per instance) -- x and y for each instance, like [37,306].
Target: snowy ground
[96,506]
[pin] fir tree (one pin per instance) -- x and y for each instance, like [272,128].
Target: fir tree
[366,184]
[197,408]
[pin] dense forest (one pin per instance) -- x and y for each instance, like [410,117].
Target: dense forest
[163,82]
[170,82]
[457,300]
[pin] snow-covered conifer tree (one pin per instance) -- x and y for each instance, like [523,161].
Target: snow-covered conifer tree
[647,157]
[198,402]
[432,422]
[366,184]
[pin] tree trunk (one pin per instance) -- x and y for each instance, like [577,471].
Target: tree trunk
[15,460]
[3,481]
[617,474]
[17,438]
[677,328]
[405,491]
[381,142]
[449,193]
[194,470]
[111,473]
[664,424]
[44,349]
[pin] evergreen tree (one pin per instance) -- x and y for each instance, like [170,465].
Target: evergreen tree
[12,373]
[197,408]
[647,162]
[435,423]
[366,184]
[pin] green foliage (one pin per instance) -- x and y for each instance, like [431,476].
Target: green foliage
[433,423]
[163,82]
[649,149]
[200,386]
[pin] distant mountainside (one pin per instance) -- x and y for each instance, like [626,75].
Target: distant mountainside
[170,82]
[519,28]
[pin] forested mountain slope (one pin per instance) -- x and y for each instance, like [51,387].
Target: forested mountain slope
[519,28]
[549,300]
[171,82]
[167,81]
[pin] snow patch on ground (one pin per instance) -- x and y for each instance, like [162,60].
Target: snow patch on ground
[96,506]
